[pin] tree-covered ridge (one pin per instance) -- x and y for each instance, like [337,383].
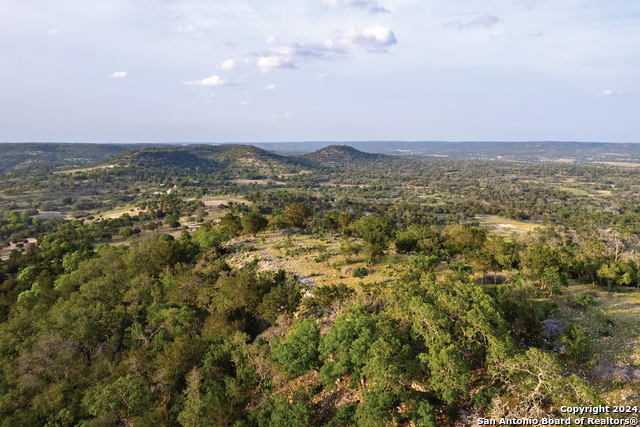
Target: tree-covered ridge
[32,156]
[164,331]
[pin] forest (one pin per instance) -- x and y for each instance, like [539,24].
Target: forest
[232,286]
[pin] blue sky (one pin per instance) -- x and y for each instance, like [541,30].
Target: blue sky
[332,70]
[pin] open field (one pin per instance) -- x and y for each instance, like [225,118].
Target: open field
[499,225]
[575,191]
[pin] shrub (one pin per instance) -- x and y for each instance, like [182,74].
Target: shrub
[585,300]
[326,295]
[361,272]
[576,341]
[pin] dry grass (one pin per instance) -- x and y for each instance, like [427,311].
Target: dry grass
[498,225]
[575,191]
[85,169]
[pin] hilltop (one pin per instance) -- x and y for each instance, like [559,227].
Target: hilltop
[344,156]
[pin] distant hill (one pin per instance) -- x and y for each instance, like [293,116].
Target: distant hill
[344,156]
[207,158]
[527,151]
[29,156]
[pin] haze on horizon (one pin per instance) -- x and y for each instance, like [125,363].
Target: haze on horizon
[322,70]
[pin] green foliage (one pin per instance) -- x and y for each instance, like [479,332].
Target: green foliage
[577,343]
[585,300]
[379,407]
[360,272]
[348,248]
[121,401]
[425,264]
[296,215]
[232,223]
[376,232]
[484,397]
[324,296]
[281,299]
[367,346]
[553,280]
[279,412]
[522,313]
[345,416]
[299,353]
[253,223]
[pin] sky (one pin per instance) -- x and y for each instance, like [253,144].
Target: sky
[319,70]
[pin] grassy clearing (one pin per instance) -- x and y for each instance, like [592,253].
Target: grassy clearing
[575,191]
[317,260]
[499,225]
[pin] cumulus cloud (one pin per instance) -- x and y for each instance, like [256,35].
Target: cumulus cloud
[211,81]
[271,39]
[286,55]
[607,92]
[271,87]
[191,30]
[374,38]
[485,21]
[227,64]
[53,31]
[117,75]
[268,63]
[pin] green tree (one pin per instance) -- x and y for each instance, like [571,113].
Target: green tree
[253,223]
[296,215]
[611,272]
[376,232]
[299,353]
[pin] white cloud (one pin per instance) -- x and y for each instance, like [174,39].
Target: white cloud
[268,63]
[486,21]
[376,10]
[607,92]
[227,64]
[321,76]
[191,30]
[117,75]
[289,115]
[211,81]
[287,54]
[271,87]
[374,37]
[53,31]
[271,39]
[244,103]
